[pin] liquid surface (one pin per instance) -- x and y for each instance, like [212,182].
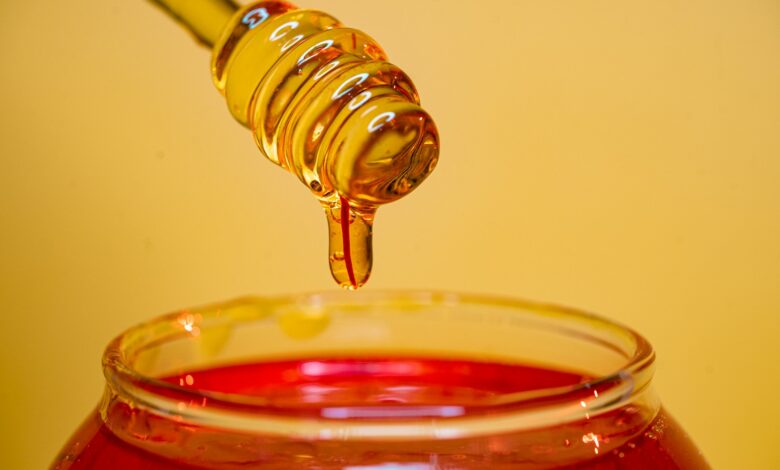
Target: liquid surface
[324,104]
[377,389]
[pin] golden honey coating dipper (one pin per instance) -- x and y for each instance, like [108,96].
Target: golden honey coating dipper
[323,103]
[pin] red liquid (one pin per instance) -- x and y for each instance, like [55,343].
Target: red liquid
[397,388]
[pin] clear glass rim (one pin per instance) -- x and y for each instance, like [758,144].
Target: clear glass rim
[507,412]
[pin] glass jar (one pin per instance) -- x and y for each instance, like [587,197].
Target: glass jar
[379,380]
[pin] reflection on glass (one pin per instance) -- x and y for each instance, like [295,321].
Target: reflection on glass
[254,17]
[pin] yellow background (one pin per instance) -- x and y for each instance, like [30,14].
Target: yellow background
[623,157]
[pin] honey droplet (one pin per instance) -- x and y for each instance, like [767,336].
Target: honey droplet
[350,239]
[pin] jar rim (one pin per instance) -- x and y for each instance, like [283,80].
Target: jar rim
[500,413]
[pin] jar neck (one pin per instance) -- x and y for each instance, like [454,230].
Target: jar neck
[173,420]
